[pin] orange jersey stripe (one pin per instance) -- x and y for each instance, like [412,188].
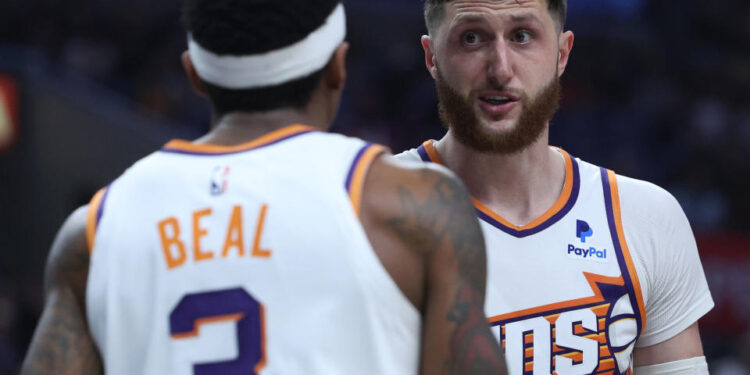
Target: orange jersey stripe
[576,356]
[91,219]
[624,246]
[597,297]
[607,364]
[213,319]
[600,311]
[262,363]
[183,145]
[429,147]
[559,204]
[359,173]
[432,153]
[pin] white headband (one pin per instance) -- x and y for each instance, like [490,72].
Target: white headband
[272,68]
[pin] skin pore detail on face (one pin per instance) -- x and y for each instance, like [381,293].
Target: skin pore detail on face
[496,72]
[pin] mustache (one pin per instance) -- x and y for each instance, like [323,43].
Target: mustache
[494,85]
[458,114]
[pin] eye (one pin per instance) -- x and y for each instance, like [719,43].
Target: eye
[522,36]
[470,38]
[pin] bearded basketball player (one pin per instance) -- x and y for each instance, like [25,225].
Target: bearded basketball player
[605,270]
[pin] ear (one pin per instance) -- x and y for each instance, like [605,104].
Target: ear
[429,55]
[192,75]
[565,46]
[335,73]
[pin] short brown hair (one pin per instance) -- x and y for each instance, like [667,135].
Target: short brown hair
[434,11]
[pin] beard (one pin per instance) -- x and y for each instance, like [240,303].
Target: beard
[458,115]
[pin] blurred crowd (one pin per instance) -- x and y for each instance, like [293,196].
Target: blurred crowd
[655,90]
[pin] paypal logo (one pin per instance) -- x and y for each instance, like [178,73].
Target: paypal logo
[591,253]
[583,230]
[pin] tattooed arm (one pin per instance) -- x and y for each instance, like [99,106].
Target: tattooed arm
[61,343]
[425,231]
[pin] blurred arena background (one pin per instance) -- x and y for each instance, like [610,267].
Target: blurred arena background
[656,90]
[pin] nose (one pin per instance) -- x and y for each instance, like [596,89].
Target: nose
[499,67]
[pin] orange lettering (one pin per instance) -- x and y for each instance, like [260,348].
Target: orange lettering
[257,251]
[199,232]
[167,242]
[234,234]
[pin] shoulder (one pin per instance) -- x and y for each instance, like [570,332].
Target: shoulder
[656,230]
[72,234]
[425,193]
[393,173]
[68,260]
[154,164]
[645,202]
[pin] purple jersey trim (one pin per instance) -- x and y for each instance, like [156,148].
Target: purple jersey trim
[210,153]
[552,220]
[350,175]
[618,250]
[527,232]
[100,209]
[423,153]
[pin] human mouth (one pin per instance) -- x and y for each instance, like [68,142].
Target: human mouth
[497,103]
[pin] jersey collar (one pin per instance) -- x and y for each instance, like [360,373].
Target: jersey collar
[186,147]
[562,206]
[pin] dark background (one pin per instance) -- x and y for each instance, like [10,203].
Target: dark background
[655,90]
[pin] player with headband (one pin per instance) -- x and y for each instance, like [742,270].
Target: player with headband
[268,246]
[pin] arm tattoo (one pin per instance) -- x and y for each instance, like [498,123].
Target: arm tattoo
[447,217]
[62,343]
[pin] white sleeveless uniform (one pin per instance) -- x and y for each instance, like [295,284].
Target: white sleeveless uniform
[611,266]
[245,260]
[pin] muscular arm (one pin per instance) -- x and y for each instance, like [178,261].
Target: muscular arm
[61,343]
[426,233]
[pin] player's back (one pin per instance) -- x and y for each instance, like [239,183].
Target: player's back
[247,259]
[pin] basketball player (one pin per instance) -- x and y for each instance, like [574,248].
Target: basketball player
[608,273]
[268,246]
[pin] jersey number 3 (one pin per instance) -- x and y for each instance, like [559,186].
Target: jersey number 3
[223,305]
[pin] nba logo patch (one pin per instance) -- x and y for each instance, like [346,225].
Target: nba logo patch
[219,180]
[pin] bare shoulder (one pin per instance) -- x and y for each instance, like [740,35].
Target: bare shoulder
[411,210]
[68,260]
[422,204]
[62,343]
[426,191]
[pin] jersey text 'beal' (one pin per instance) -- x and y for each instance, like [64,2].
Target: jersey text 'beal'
[175,248]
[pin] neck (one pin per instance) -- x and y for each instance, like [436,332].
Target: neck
[240,127]
[520,187]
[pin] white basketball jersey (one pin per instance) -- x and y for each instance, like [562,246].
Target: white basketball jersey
[245,260]
[563,294]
